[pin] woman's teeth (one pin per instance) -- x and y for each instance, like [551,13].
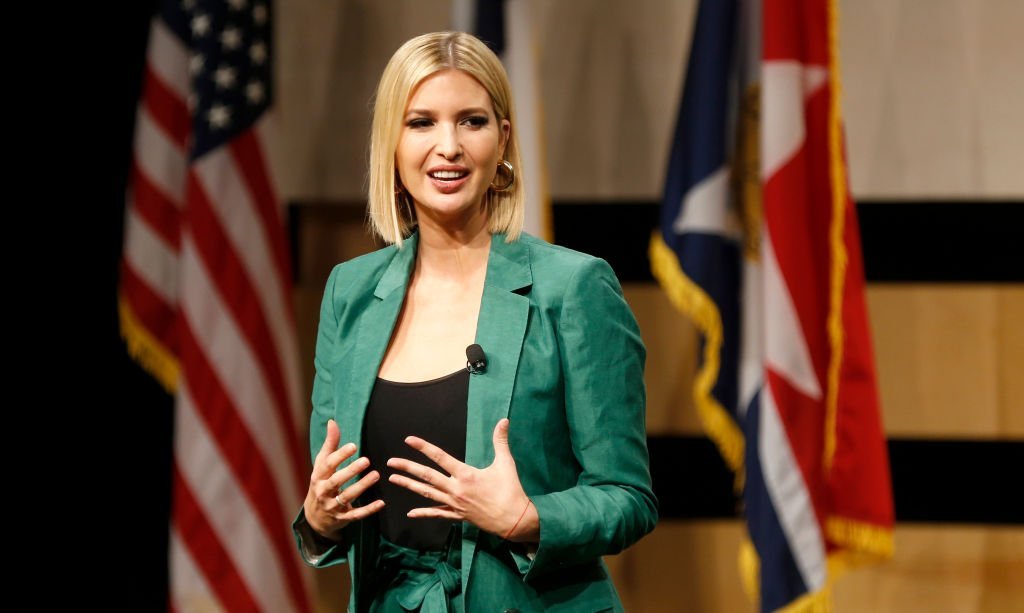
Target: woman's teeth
[448,175]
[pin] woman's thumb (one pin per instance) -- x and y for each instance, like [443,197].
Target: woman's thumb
[501,438]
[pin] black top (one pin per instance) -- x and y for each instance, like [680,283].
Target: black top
[433,410]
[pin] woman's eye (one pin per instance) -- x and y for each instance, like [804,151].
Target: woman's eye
[476,121]
[418,123]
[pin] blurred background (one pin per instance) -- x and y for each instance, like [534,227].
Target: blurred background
[932,99]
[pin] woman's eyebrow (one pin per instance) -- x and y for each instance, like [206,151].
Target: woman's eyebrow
[425,112]
[429,113]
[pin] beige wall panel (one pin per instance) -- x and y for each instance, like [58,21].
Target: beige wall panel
[942,367]
[692,567]
[930,108]
[931,105]
[682,567]
[671,342]
[1010,360]
[612,72]
[329,235]
[329,58]
[951,569]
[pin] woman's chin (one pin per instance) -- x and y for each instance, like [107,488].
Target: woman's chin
[449,209]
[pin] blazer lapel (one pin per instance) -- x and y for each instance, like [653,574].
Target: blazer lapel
[375,328]
[501,328]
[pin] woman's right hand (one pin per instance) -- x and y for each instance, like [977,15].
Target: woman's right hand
[328,508]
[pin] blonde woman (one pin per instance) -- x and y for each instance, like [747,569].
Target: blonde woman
[497,482]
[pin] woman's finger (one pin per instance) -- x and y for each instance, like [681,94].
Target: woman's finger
[362,512]
[350,494]
[420,488]
[441,511]
[435,453]
[329,452]
[346,474]
[421,472]
[335,458]
[331,439]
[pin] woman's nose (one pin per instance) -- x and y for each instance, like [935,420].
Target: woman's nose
[448,144]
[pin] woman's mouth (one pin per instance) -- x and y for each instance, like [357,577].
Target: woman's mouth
[448,181]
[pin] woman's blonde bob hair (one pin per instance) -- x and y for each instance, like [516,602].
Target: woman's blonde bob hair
[391,214]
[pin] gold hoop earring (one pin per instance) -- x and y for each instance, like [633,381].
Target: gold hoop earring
[511,176]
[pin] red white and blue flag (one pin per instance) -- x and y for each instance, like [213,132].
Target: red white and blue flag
[759,244]
[205,306]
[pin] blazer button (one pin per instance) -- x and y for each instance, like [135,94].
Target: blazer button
[511,611]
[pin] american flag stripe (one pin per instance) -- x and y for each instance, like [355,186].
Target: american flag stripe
[167,59]
[243,400]
[223,485]
[155,209]
[150,258]
[153,321]
[167,109]
[203,543]
[249,158]
[190,578]
[224,177]
[206,276]
[243,313]
[160,160]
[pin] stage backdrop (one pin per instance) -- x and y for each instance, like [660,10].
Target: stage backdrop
[932,108]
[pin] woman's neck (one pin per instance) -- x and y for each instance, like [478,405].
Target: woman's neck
[453,251]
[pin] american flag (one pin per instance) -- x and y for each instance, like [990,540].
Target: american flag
[205,306]
[759,244]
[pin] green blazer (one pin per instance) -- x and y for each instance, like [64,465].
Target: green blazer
[564,364]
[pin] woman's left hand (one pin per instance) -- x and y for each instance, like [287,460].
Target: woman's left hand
[491,498]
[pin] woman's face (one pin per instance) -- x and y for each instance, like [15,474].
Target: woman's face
[450,145]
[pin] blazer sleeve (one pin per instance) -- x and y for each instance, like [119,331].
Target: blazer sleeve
[316,551]
[602,359]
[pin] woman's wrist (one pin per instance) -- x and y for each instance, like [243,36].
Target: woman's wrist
[333,536]
[526,528]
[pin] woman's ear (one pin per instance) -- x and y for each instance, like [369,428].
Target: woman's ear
[506,129]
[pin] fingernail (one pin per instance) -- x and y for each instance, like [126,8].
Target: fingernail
[350,446]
